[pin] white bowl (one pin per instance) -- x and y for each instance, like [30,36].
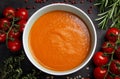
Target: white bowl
[64,7]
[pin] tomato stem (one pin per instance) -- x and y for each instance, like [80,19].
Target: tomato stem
[7,34]
[108,69]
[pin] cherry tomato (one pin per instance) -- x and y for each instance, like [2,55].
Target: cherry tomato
[2,37]
[115,67]
[108,47]
[14,33]
[14,45]
[4,24]
[22,24]
[22,14]
[109,77]
[99,59]
[99,73]
[117,77]
[117,52]
[9,12]
[112,34]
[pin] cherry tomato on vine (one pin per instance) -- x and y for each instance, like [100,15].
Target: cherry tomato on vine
[109,77]
[115,67]
[14,45]
[22,24]
[117,52]
[112,34]
[117,77]
[22,14]
[108,47]
[9,12]
[4,24]
[2,37]
[100,59]
[99,73]
[14,33]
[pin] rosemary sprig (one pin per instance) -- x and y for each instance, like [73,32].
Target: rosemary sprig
[109,11]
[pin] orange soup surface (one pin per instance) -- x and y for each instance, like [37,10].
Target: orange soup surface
[59,40]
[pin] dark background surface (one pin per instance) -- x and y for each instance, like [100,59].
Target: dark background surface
[87,71]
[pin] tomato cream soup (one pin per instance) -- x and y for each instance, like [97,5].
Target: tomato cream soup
[59,40]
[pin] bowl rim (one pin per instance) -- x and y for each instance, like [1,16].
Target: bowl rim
[32,59]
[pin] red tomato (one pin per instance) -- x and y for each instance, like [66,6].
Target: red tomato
[22,24]
[99,59]
[108,47]
[2,37]
[14,33]
[99,73]
[9,12]
[117,52]
[115,67]
[4,24]
[117,77]
[112,34]
[22,13]
[14,45]
[109,77]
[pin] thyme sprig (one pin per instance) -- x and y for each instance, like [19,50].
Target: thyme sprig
[11,69]
[109,10]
